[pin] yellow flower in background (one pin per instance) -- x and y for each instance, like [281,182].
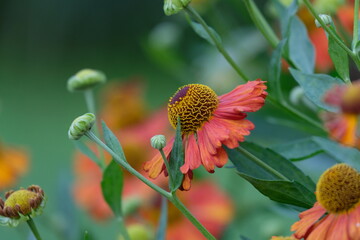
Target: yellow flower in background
[336,214]
[13,164]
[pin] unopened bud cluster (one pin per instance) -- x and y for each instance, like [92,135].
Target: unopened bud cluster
[81,125]
[85,79]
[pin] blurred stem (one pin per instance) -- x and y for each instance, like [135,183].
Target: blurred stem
[123,229]
[171,197]
[33,228]
[332,33]
[176,201]
[261,23]
[192,12]
[356,25]
[90,103]
[261,163]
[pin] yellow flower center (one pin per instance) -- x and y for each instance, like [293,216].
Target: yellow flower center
[194,104]
[338,189]
[21,198]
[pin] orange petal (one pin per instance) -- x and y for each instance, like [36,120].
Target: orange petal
[307,219]
[192,155]
[354,223]
[320,231]
[338,228]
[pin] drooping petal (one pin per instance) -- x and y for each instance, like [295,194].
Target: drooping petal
[192,155]
[248,97]
[321,229]
[338,228]
[354,223]
[307,219]
[156,165]
[186,184]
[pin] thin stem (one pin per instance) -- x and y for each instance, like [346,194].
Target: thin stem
[261,163]
[356,25]
[195,222]
[171,197]
[166,163]
[33,228]
[192,12]
[125,165]
[332,33]
[123,229]
[90,103]
[261,23]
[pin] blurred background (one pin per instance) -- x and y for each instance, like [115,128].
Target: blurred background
[43,43]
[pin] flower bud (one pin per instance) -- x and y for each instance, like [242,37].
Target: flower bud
[21,205]
[81,125]
[85,79]
[326,19]
[158,142]
[174,6]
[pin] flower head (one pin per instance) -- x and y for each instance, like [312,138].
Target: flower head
[342,125]
[81,125]
[174,6]
[21,204]
[207,122]
[336,213]
[85,79]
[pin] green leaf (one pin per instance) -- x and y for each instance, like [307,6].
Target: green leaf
[275,68]
[112,142]
[298,191]
[308,147]
[199,30]
[86,150]
[86,235]
[176,160]
[299,47]
[315,86]
[161,232]
[112,185]
[339,58]
[285,14]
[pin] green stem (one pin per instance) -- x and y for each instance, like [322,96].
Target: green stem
[90,103]
[189,216]
[261,23]
[356,25]
[171,197]
[33,228]
[192,12]
[125,165]
[123,229]
[332,33]
[261,163]
[166,163]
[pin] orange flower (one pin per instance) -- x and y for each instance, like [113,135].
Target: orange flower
[13,164]
[207,122]
[342,126]
[336,213]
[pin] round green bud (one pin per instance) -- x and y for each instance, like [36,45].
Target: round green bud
[174,6]
[81,125]
[158,141]
[139,232]
[326,19]
[85,79]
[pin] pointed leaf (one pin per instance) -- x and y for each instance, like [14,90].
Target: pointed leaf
[299,47]
[176,160]
[275,68]
[112,185]
[265,181]
[112,142]
[308,147]
[315,86]
[339,58]
[199,29]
